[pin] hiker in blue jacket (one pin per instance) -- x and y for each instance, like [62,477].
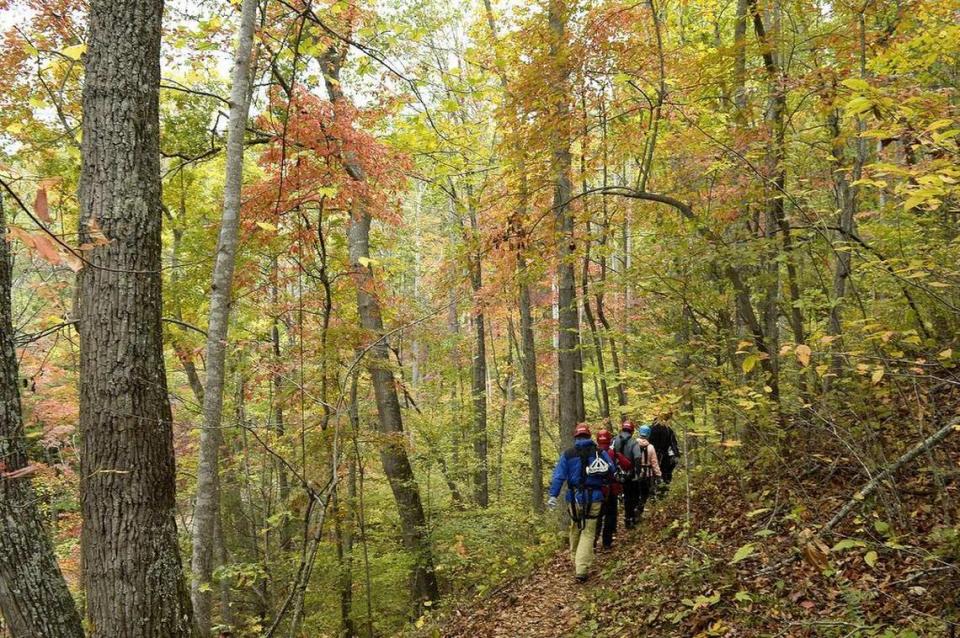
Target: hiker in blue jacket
[586,469]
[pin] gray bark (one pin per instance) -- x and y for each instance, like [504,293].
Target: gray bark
[530,387]
[569,362]
[481,487]
[132,574]
[34,599]
[207,507]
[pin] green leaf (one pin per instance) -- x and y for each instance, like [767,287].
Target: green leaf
[858,105]
[847,543]
[749,363]
[742,553]
[870,558]
[743,597]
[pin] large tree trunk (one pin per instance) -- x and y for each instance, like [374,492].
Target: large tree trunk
[132,575]
[569,362]
[34,599]
[207,507]
[393,454]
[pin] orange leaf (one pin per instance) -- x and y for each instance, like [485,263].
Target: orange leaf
[41,207]
[47,249]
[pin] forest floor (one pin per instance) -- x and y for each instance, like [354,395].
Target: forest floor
[748,564]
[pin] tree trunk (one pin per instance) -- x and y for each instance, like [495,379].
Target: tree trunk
[481,487]
[776,174]
[569,362]
[604,394]
[34,598]
[393,454]
[132,575]
[529,358]
[207,507]
[530,387]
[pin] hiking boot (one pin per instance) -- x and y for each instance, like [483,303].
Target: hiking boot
[581,578]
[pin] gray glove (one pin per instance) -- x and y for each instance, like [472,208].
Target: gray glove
[552,502]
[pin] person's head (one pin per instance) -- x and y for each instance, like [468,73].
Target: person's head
[582,431]
[644,431]
[603,438]
[627,426]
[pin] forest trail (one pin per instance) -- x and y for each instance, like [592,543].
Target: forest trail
[548,602]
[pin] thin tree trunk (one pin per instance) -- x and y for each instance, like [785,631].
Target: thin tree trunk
[529,358]
[34,598]
[846,192]
[207,507]
[481,486]
[393,455]
[740,63]
[283,481]
[776,189]
[569,362]
[604,394]
[185,357]
[600,288]
[344,534]
[530,386]
[132,572]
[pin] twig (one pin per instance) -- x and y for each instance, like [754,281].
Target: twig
[868,489]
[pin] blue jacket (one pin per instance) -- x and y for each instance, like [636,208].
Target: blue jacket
[569,470]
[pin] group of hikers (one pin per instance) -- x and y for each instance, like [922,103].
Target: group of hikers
[598,474]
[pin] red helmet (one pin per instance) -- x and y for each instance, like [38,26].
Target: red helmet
[604,437]
[628,426]
[582,430]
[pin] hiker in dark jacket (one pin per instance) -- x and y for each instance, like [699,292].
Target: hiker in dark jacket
[626,445]
[607,525]
[663,438]
[586,470]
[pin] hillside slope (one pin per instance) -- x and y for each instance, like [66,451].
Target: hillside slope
[749,564]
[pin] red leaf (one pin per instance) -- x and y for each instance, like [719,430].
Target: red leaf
[41,207]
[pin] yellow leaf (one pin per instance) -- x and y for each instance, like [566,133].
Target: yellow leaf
[267,226]
[364,261]
[803,354]
[749,363]
[870,558]
[856,84]
[75,51]
[946,354]
[877,375]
